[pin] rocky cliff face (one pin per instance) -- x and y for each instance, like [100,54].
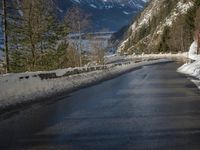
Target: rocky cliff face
[164,26]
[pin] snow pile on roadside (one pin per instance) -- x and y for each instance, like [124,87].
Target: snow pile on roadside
[192,69]
[27,87]
[117,58]
[161,55]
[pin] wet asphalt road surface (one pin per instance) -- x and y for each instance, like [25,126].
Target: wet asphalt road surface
[153,107]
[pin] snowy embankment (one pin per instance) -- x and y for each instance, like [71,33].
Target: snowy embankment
[29,87]
[192,69]
[178,56]
[117,58]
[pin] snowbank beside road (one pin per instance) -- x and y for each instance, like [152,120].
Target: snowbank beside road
[117,58]
[192,69]
[183,56]
[27,87]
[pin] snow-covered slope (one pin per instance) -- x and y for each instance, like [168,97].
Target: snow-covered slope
[150,28]
[192,69]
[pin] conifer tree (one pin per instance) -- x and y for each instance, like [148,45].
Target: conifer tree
[34,34]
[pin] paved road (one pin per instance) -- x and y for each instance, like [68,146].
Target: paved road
[150,108]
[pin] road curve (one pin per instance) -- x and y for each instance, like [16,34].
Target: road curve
[153,107]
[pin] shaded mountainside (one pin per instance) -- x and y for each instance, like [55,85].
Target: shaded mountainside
[105,14]
[110,14]
[164,26]
[101,4]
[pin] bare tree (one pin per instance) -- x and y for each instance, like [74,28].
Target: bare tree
[34,31]
[98,50]
[73,56]
[78,21]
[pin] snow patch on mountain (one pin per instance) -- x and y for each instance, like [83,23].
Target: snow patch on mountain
[77,1]
[92,5]
[126,13]
[148,13]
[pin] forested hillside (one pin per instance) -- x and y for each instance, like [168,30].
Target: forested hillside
[164,26]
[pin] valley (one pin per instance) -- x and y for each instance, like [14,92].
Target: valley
[110,14]
[88,41]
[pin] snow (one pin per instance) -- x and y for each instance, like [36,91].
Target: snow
[117,58]
[192,69]
[193,52]
[92,5]
[148,13]
[181,9]
[77,1]
[145,1]
[108,4]
[30,86]
[178,56]
[60,10]
[126,13]
[144,18]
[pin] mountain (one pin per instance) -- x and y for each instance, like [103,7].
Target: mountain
[108,4]
[163,26]
[105,14]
